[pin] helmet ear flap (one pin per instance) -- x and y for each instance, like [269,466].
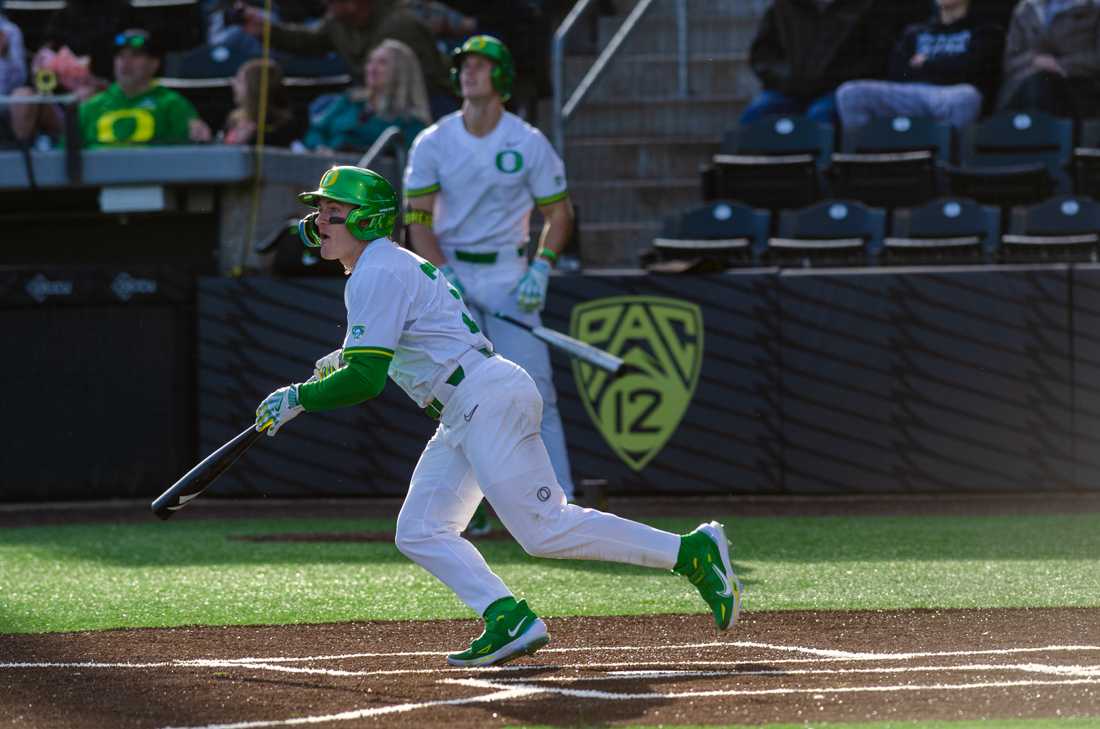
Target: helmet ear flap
[307,231]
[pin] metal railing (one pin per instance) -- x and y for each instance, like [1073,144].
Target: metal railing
[388,136]
[563,111]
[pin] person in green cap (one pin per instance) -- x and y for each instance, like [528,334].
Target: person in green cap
[135,110]
[405,320]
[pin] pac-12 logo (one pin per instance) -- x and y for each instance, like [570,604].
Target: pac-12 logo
[661,343]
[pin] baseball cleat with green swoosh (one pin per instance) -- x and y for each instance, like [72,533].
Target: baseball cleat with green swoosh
[511,630]
[704,560]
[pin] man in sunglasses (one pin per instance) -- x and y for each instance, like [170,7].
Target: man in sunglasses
[135,109]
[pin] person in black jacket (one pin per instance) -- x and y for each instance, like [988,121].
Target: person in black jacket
[804,49]
[943,68]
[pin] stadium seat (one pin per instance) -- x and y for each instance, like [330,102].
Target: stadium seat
[831,232]
[946,230]
[772,163]
[714,237]
[213,97]
[1063,228]
[1086,161]
[890,162]
[32,17]
[1012,158]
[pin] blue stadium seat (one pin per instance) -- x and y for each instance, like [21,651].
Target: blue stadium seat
[831,232]
[717,236]
[890,162]
[773,163]
[946,230]
[1013,158]
[1063,228]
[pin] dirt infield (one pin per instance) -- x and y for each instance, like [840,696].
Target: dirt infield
[774,667]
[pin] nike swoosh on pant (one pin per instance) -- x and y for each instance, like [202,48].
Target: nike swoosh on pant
[725,580]
[512,633]
[470,414]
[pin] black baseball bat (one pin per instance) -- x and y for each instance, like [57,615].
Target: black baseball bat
[195,481]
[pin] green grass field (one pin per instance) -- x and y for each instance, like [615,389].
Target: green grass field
[83,577]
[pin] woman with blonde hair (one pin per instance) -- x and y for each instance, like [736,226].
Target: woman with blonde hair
[393,94]
[242,123]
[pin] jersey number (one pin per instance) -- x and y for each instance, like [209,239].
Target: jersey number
[432,272]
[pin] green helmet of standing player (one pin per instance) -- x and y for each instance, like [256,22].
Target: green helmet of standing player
[376,203]
[503,73]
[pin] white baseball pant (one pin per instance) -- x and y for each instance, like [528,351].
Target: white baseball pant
[490,286]
[488,443]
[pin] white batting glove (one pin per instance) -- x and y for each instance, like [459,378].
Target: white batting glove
[277,409]
[452,278]
[328,364]
[531,289]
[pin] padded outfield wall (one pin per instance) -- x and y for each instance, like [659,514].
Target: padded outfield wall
[963,379]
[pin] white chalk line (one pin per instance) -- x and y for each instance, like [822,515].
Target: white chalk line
[501,694]
[822,655]
[612,696]
[503,688]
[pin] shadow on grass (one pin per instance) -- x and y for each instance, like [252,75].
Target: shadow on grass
[795,539]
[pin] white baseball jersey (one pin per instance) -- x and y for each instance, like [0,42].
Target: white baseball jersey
[487,186]
[399,305]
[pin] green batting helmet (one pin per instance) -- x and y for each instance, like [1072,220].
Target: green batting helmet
[503,73]
[373,196]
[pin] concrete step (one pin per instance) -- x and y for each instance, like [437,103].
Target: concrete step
[703,116]
[607,201]
[617,245]
[616,157]
[642,75]
[722,34]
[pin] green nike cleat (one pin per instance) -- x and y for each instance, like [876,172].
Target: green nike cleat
[511,630]
[705,560]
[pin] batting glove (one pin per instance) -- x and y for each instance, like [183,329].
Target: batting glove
[531,289]
[277,409]
[328,364]
[452,278]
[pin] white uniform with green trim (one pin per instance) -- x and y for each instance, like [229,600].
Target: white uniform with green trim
[426,330]
[486,188]
[487,442]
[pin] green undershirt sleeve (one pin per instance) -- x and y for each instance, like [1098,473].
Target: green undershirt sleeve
[363,378]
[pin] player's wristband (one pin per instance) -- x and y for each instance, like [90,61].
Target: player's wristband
[424,217]
[548,255]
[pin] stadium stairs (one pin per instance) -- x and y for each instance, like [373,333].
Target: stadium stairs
[634,146]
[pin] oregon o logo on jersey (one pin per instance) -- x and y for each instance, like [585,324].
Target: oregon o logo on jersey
[125,125]
[661,341]
[509,161]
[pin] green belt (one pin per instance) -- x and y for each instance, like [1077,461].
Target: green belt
[490,257]
[435,408]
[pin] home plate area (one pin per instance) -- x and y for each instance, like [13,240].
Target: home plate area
[773,667]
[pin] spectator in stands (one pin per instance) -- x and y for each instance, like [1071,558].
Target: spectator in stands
[75,57]
[447,24]
[942,69]
[242,124]
[1052,58]
[804,50]
[135,110]
[394,94]
[13,70]
[353,28]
